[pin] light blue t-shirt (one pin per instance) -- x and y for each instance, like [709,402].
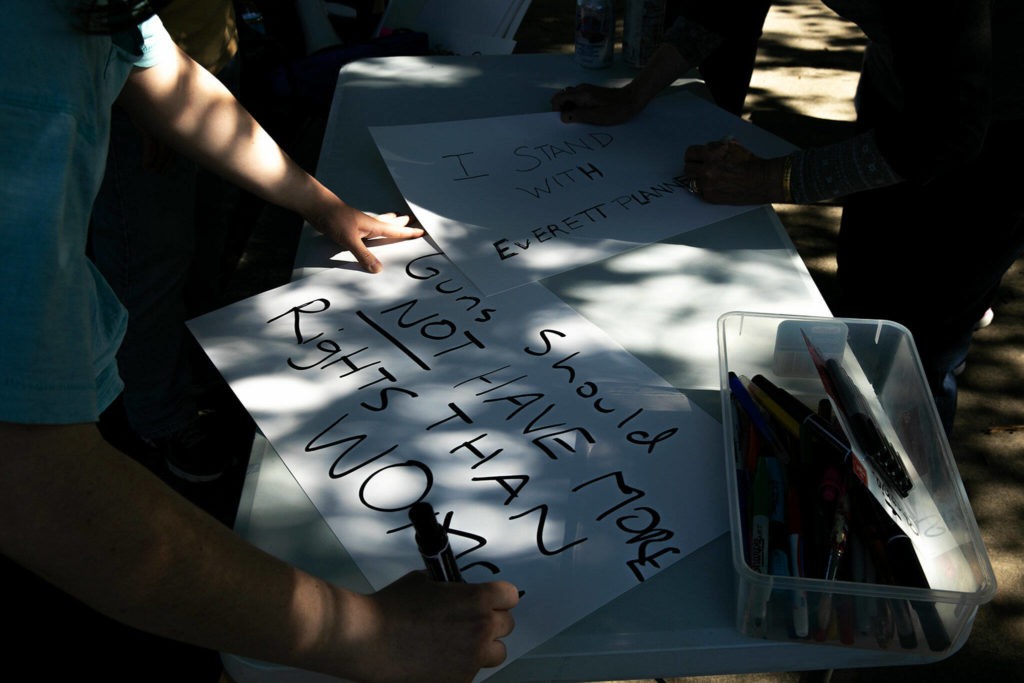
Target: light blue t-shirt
[62,324]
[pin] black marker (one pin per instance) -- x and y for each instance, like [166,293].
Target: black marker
[432,540]
[876,447]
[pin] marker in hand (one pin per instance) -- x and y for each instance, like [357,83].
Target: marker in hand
[432,540]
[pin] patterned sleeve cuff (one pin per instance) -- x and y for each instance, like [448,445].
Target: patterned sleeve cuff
[854,165]
[693,41]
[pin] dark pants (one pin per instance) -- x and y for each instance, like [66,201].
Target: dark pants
[931,256]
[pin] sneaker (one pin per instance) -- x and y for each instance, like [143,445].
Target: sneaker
[985,320]
[982,323]
[194,454]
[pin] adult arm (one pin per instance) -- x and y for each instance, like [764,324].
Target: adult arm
[186,107]
[99,526]
[587,103]
[691,38]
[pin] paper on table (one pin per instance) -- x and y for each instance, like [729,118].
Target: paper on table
[558,461]
[485,17]
[514,199]
[446,40]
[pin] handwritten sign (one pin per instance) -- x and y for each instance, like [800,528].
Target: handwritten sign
[555,459]
[514,199]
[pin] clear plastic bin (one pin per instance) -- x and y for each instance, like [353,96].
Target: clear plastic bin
[862,607]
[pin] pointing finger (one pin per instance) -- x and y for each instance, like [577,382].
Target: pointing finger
[365,258]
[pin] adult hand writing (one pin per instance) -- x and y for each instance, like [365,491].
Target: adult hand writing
[421,630]
[725,172]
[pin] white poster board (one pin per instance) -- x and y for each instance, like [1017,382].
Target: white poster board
[556,460]
[514,199]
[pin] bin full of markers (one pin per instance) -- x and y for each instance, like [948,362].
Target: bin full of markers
[849,522]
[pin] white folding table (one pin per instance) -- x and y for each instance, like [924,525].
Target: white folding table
[660,302]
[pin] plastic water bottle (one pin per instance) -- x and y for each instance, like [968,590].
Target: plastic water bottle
[595,33]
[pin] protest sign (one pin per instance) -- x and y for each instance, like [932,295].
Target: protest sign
[514,199]
[554,458]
